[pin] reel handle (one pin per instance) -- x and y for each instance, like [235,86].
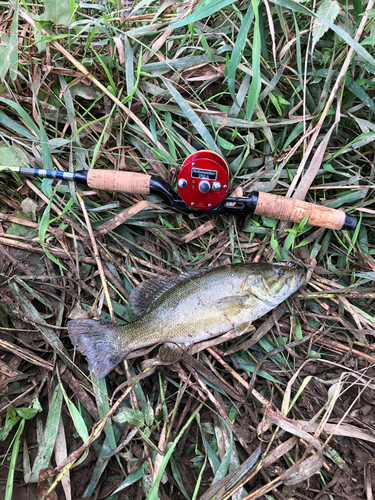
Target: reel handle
[113,180]
[289,209]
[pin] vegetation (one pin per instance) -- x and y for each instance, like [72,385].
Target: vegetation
[284,90]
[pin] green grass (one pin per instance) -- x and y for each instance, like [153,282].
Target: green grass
[263,84]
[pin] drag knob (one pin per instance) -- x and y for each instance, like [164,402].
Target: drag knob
[204,186]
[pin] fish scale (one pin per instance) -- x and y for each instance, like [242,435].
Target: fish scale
[187,309]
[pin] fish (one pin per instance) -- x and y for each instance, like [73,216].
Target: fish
[186,309]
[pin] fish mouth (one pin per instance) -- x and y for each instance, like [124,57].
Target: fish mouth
[296,271]
[295,274]
[299,276]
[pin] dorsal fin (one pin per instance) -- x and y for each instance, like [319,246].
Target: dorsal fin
[146,293]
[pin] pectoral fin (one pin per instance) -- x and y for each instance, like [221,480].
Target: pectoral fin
[231,305]
[242,327]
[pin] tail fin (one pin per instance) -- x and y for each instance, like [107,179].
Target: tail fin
[95,340]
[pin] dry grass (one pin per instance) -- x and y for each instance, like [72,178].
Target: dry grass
[114,86]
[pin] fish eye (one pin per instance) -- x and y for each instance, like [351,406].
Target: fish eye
[280,272]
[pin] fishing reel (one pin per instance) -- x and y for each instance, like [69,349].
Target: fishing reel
[203,180]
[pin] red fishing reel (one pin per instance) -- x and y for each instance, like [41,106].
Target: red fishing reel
[203,180]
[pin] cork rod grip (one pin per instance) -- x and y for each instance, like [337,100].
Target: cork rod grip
[113,180]
[289,209]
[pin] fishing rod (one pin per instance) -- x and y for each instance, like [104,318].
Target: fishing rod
[202,185]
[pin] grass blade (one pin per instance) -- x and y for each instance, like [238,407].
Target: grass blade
[22,113]
[60,455]
[238,50]
[289,4]
[102,402]
[201,11]
[255,82]
[153,495]
[328,9]
[192,116]
[13,54]
[49,436]
[13,461]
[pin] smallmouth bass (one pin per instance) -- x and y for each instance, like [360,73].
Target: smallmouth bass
[189,308]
